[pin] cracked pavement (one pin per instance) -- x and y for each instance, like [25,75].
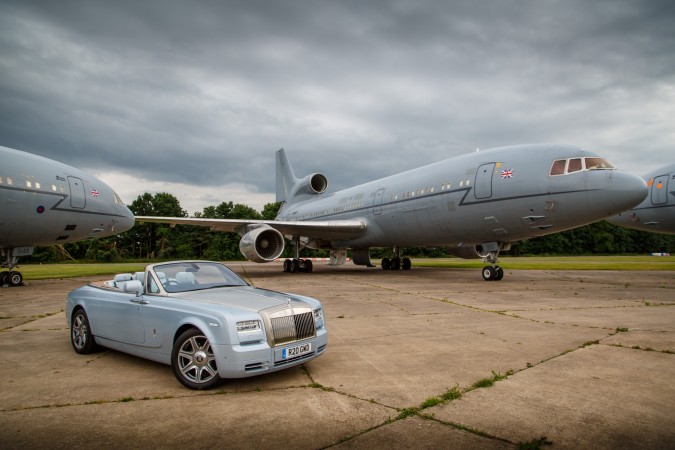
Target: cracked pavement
[590,359]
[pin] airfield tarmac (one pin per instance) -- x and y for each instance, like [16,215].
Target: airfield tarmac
[589,357]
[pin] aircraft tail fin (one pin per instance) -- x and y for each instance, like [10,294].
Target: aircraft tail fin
[285,177]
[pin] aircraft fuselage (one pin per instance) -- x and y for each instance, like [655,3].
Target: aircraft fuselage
[503,195]
[45,202]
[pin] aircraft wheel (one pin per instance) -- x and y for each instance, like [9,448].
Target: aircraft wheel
[4,278]
[499,273]
[15,278]
[489,273]
[287,265]
[309,267]
[395,263]
[295,266]
[386,263]
[406,264]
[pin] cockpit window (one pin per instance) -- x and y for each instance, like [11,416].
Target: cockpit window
[118,200]
[574,165]
[558,167]
[597,163]
[571,165]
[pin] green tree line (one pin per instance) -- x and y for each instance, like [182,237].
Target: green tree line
[162,242]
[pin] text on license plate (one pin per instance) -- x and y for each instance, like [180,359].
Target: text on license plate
[298,350]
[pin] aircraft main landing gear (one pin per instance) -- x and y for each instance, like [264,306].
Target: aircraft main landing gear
[298,265]
[396,262]
[11,277]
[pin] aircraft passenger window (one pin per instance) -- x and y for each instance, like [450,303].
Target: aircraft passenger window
[10,181]
[29,184]
[54,187]
[574,165]
[0,180]
[597,163]
[558,167]
[37,185]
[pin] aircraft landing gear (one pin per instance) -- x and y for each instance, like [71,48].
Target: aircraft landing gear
[396,262]
[298,265]
[11,277]
[492,272]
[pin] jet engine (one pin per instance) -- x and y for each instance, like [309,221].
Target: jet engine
[315,183]
[469,252]
[261,245]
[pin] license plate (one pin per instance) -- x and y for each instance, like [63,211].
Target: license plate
[298,350]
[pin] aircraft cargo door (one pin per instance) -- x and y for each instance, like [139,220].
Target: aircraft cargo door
[482,188]
[77,196]
[660,190]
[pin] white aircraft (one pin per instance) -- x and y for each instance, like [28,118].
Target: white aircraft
[475,205]
[657,212]
[45,202]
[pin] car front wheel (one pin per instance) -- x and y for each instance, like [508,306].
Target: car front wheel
[193,362]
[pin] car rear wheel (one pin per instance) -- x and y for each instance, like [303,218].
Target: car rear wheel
[80,334]
[193,362]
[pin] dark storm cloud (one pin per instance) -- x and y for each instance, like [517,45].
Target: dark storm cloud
[203,92]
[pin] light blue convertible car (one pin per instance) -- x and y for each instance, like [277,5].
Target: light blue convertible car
[201,318]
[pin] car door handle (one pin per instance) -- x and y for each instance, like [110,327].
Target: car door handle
[139,301]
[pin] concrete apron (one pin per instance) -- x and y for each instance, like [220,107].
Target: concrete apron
[396,341]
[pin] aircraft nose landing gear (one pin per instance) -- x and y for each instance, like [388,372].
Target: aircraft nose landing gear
[493,272]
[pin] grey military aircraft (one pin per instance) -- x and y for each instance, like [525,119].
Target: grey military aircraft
[656,212]
[45,202]
[476,205]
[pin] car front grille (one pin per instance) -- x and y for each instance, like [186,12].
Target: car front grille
[292,328]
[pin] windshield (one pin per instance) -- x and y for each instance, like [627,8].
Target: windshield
[195,276]
[571,165]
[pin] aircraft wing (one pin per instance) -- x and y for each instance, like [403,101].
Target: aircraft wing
[327,229]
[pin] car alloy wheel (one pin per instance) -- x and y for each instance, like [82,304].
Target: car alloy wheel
[193,361]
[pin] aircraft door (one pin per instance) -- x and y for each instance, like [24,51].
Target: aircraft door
[660,190]
[78,198]
[483,186]
[377,203]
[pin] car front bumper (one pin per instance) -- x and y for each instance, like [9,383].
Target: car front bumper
[241,361]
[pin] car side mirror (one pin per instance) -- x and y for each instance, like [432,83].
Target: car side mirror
[134,286]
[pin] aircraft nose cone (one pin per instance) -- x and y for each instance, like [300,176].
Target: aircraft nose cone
[628,191]
[128,221]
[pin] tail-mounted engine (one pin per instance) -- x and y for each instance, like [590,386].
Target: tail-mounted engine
[315,183]
[261,245]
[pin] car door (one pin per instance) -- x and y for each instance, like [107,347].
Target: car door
[117,316]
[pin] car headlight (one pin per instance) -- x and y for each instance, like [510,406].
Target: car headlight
[248,325]
[318,317]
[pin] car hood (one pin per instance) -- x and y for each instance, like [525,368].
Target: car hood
[245,297]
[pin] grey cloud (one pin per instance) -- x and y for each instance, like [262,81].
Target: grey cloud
[205,92]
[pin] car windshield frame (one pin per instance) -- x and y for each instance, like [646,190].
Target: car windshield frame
[189,276]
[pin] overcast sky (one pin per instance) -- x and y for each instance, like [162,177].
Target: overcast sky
[194,97]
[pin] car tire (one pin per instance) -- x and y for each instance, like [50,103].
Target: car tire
[81,336]
[193,361]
